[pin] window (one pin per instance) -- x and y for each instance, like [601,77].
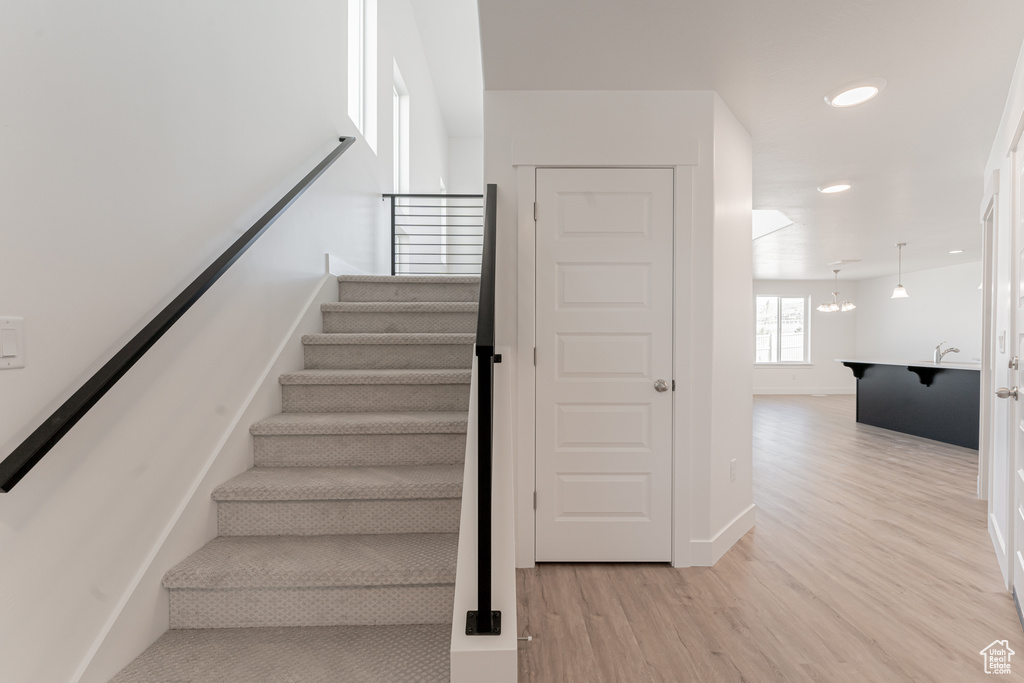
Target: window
[362,68]
[781,330]
[400,112]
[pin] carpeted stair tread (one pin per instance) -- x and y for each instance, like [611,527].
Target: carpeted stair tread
[348,522]
[299,424]
[413,279]
[377,377]
[343,483]
[399,307]
[388,338]
[324,654]
[291,562]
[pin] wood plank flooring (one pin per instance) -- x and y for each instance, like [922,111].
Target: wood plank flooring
[870,561]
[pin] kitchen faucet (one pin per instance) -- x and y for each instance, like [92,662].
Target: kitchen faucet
[939,353]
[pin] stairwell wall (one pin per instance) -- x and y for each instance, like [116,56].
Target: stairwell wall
[139,141]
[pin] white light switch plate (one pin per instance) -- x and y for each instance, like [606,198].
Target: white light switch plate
[12,343]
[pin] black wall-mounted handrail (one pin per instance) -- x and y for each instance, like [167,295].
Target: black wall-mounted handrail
[484,621]
[25,456]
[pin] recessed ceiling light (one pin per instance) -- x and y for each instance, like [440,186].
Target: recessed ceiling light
[855,93]
[835,187]
[957,251]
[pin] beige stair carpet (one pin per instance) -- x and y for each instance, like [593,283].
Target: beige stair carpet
[336,554]
[353,654]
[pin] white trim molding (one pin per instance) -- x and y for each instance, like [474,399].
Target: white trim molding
[141,611]
[526,340]
[612,151]
[706,553]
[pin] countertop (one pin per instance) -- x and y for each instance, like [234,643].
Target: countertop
[949,365]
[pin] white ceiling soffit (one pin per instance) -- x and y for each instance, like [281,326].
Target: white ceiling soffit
[450,33]
[915,154]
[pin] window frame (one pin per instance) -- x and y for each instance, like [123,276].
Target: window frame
[362,68]
[401,132]
[806,360]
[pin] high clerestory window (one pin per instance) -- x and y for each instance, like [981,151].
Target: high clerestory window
[781,330]
[400,110]
[362,68]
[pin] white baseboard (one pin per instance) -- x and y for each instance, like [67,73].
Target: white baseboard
[706,553]
[142,611]
[999,545]
[801,391]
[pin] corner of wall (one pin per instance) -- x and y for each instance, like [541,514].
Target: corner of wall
[707,553]
[731,468]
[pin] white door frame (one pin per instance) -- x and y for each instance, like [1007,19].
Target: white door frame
[637,477]
[527,156]
[988,246]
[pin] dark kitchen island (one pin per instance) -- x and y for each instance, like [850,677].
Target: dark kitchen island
[936,401]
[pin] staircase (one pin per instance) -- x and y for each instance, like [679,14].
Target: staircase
[335,559]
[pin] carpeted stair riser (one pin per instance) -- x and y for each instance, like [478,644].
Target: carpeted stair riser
[408,289]
[314,606]
[375,357]
[315,581]
[331,517]
[343,483]
[305,501]
[321,398]
[394,318]
[354,450]
[348,523]
[354,654]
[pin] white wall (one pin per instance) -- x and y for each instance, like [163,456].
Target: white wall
[832,335]
[944,305]
[730,490]
[694,132]
[465,165]
[139,141]
[399,42]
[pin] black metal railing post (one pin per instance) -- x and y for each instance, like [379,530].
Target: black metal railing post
[484,620]
[393,271]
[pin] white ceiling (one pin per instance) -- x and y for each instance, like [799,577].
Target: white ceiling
[915,155]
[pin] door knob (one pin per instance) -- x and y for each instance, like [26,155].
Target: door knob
[1003,392]
[661,385]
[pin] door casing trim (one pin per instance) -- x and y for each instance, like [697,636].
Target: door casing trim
[682,225]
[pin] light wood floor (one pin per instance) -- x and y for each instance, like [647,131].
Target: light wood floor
[870,561]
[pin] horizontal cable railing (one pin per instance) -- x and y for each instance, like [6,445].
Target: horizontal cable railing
[25,456]
[485,621]
[436,234]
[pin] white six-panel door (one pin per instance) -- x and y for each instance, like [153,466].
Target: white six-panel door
[604,340]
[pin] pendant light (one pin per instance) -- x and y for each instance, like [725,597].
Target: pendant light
[899,292]
[836,304]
